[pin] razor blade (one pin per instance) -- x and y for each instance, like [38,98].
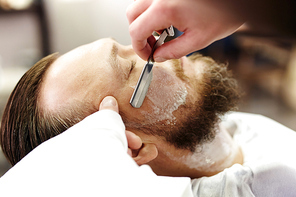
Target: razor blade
[145,79]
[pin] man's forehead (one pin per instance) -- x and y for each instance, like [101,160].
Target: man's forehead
[76,72]
[74,59]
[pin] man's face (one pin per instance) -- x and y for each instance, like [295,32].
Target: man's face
[93,71]
[182,106]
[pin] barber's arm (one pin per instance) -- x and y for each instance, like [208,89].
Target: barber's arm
[204,22]
[89,159]
[201,22]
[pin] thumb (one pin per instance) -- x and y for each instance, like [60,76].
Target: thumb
[109,102]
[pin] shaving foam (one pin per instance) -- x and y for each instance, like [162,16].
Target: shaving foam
[166,94]
[211,156]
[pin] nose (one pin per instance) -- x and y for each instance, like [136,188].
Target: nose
[120,50]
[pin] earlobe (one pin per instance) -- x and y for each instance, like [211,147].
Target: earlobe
[146,153]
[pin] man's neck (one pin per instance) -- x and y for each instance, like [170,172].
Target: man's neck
[213,157]
[209,158]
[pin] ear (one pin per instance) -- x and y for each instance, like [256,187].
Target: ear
[145,154]
[141,152]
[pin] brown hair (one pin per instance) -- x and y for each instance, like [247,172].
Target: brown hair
[25,124]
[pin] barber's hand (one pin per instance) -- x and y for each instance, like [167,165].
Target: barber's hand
[202,21]
[134,141]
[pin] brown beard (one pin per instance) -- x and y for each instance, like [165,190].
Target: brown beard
[218,93]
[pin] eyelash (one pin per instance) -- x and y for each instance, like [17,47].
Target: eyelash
[133,63]
[132,66]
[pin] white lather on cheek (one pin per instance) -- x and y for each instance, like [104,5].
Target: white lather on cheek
[167,93]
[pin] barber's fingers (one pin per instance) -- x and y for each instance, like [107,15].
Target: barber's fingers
[181,46]
[134,141]
[136,9]
[152,15]
[142,27]
[109,102]
[194,39]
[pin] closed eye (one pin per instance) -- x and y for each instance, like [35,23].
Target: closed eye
[133,63]
[132,66]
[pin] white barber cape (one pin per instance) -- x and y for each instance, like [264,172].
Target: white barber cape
[269,168]
[90,159]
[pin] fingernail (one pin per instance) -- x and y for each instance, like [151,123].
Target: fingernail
[159,59]
[108,101]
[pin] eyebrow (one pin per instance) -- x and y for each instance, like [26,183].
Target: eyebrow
[113,56]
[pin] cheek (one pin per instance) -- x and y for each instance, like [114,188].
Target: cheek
[107,84]
[166,93]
